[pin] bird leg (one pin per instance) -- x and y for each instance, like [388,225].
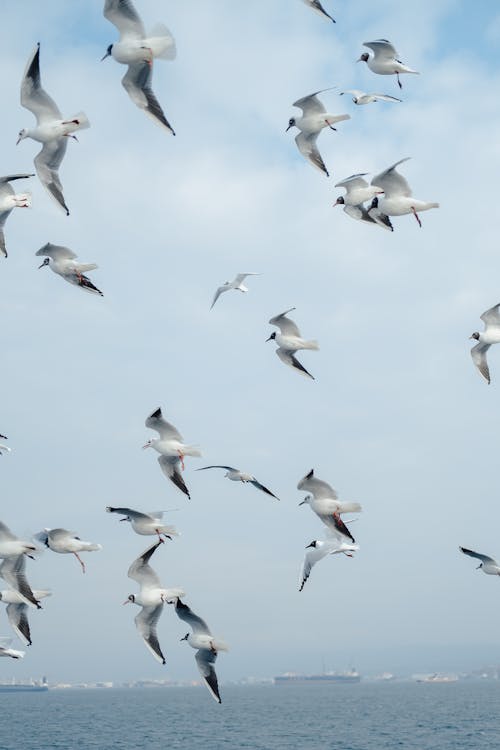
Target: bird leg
[181,456]
[80,561]
[330,126]
[162,541]
[212,648]
[399,82]
[416,216]
[69,135]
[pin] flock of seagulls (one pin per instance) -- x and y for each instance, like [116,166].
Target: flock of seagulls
[387,195]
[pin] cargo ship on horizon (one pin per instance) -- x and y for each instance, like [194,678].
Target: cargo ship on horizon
[33,686]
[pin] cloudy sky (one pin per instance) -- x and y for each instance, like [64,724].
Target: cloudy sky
[397,419]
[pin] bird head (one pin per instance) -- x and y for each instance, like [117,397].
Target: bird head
[185,637]
[108,52]
[340,201]
[272,336]
[479,566]
[305,501]
[475,336]
[374,203]
[363,58]
[291,124]
[130,598]
[45,263]
[313,544]
[22,134]
[149,444]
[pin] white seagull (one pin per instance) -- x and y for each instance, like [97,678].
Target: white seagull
[11,545]
[235,475]
[12,652]
[12,570]
[384,60]
[137,50]
[488,564]
[4,447]
[237,283]
[361,97]
[490,335]
[17,612]
[316,5]
[314,119]
[9,200]
[207,647]
[66,542]
[51,129]
[318,549]
[357,192]
[290,341]
[325,503]
[61,260]
[398,199]
[146,524]
[151,598]
[172,448]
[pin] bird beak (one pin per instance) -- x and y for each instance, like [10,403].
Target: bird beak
[471,337]
[332,128]
[18,141]
[269,339]
[360,59]
[478,567]
[108,54]
[127,601]
[288,128]
[123,519]
[303,502]
[148,445]
[43,264]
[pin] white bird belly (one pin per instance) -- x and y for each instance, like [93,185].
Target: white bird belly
[133,50]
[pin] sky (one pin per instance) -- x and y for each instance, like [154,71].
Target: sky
[397,419]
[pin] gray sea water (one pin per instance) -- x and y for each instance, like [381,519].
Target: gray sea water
[318,717]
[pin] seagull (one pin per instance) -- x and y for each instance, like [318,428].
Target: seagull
[314,119]
[151,598]
[51,129]
[488,564]
[318,549]
[316,5]
[17,612]
[146,524]
[384,60]
[289,341]
[61,260]
[4,447]
[12,570]
[172,448]
[235,475]
[208,647]
[237,283]
[138,51]
[9,200]
[490,335]
[5,651]
[361,97]
[66,542]
[11,546]
[398,199]
[325,503]
[357,192]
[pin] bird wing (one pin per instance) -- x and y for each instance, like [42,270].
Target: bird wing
[310,104]
[137,83]
[6,534]
[291,360]
[124,16]
[205,660]
[218,293]
[167,431]
[386,98]
[483,558]
[308,148]
[128,512]
[478,354]
[12,570]
[56,252]
[391,182]
[491,317]
[354,181]
[10,177]
[242,276]
[47,162]
[316,5]
[355,92]
[185,613]
[141,572]
[18,619]
[376,215]
[3,246]
[261,487]
[382,48]
[217,466]
[170,465]
[311,557]
[286,326]
[317,487]
[33,97]
[146,622]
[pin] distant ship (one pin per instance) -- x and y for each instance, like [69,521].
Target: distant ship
[436,677]
[292,678]
[34,686]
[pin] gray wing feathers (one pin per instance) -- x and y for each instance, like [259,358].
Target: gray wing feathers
[205,660]
[146,622]
[196,623]
[137,83]
[47,162]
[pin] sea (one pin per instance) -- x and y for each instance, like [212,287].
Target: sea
[364,716]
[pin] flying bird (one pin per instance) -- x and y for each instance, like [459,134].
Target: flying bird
[5,651]
[151,598]
[235,475]
[490,335]
[361,97]
[51,129]
[488,564]
[398,199]
[314,119]
[10,200]
[17,612]
[207,647]
[61,260]
[171,447]
[384,60]
[11,545]
[290,341]
[237,283]
[66,542]
[4,447]
[325,503]
[138,51]
[146,524]
[13,571]
[357,192]
[320,548]
[316,5]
